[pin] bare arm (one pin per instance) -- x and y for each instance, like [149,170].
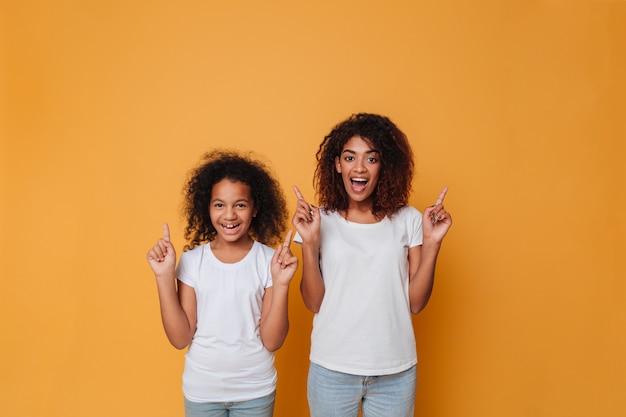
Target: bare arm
[312,285]
[423,259]
[178,304]
[274,316]
[307,222]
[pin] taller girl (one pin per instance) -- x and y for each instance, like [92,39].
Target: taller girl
[368,263]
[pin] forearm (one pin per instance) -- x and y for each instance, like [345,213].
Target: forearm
[275,325]
[421,282]
[175,321]
[312,285]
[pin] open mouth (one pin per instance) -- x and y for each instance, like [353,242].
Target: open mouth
[358,184]
[230,227]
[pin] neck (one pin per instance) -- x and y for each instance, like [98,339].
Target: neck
[360,212]
[231,252]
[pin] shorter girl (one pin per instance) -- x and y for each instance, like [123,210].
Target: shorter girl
[227,299]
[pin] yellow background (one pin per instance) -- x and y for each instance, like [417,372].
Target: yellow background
[517,106]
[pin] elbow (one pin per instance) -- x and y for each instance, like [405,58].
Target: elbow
[313,307]
[416,309]
[419,303]
[311,302]
[180,346]
[273,347]
[274,342]
[180,343]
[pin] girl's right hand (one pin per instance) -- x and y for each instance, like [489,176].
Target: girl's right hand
[436,220]
[306,219]
[162,256]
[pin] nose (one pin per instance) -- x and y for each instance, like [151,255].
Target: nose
[360,166]
[230,213]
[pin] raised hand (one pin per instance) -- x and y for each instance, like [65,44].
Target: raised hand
[436,220]
[162,256]
[306,219]
[284,263]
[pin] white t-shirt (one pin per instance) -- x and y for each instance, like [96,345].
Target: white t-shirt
[364,324]
[226,360]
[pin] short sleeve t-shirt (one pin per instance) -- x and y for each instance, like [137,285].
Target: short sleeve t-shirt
[226,360]
[364,324]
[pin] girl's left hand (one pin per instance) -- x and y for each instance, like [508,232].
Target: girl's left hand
[284,263]
[436,220]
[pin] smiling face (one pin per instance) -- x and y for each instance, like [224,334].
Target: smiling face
[231,210]
[359,166]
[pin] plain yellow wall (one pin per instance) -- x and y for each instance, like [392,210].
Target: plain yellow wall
[517,106]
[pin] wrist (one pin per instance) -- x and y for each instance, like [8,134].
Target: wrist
[165,276]
[280,289]
[311,245]
[430,242]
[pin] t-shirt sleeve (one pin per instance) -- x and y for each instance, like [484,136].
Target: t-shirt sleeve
[414,220]
[185,268]
[264,265]
[269,282]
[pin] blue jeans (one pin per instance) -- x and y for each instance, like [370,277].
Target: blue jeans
[335,394]
[259,407]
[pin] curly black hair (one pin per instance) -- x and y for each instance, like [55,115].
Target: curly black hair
[270,222]
[396,173]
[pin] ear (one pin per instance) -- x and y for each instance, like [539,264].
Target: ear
[337,165]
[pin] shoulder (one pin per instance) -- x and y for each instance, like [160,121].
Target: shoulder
[262,250]
[189,264]
[408,218]
[194,253]
[407,212]
[191,258]
[330,219]
[326,213]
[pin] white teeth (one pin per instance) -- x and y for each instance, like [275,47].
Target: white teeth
[358,180]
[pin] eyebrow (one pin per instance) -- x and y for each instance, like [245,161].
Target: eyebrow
[354,152]
[241,200]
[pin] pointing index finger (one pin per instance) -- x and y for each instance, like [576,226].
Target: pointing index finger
[288,239]
[298,193]
[442,195]
[166,232]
